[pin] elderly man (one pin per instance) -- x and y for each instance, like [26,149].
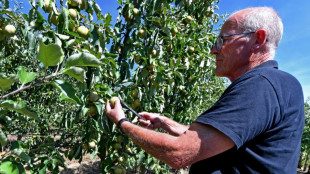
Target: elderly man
[255,126]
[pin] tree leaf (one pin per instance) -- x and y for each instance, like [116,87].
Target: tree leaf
[3,138]
[63,20]
[31,39]
[19,107]
[83,59]
[76,72]
[177,73]
[110,55]
[68,92]
[62,36]
[108,19]
[21,154]
[24,76]
[9,167]
[6,82]
[50,55]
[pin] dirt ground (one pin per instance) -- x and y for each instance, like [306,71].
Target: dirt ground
[91,166]
[87,166]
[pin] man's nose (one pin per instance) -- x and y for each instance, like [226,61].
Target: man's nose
[214,50]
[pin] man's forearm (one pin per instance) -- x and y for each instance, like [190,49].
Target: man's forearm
[172,127]
[160,145]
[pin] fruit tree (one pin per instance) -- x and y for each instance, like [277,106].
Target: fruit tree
[62,59]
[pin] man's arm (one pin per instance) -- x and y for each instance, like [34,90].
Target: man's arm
[198,142]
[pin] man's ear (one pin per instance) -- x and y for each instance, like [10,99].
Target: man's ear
[261,39]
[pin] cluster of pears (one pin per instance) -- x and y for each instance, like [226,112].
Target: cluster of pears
[83,31]
[141,32]
[174,30]
[93,97]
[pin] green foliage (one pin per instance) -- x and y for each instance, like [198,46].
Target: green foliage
[305,141]
[306,134]
[53,65]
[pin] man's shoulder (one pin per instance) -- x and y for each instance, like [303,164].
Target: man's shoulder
[279,77]
[269,70]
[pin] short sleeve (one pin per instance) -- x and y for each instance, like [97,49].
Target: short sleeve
[246,109]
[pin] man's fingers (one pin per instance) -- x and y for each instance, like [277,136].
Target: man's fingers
[145,115]
[108,106]
[149,125]
[118,104]
[145,123]
[143,112]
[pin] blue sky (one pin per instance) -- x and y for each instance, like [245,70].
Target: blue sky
[291,55]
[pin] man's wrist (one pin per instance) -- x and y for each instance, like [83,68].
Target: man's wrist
[119,124]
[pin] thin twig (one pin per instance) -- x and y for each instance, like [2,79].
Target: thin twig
[20,22]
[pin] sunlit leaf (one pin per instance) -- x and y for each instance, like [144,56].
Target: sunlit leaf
[11,167]
[24,76]
[76,72]
[31,39]
[62,36]
[83,59]
[50,55]
[108,19]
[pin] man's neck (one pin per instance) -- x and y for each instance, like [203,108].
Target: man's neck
[258,59]
[254,61]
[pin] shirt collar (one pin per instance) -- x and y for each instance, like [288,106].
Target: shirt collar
[267,64]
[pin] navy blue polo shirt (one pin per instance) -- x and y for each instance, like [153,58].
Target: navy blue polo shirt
[262,112]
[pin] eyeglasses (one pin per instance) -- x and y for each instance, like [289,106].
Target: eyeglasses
[219,41]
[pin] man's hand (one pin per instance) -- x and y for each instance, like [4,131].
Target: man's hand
[116,113]
[152,121]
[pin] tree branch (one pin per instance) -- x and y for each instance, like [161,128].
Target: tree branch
[121,55]
[29,86]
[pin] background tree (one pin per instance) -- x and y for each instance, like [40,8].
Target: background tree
[62,60]
[305,142]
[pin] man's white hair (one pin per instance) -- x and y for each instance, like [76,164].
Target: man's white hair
[268,19]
